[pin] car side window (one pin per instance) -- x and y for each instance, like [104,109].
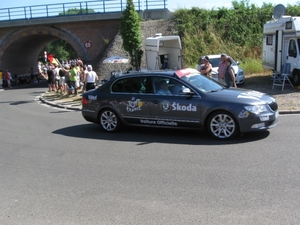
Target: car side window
[130,85]
[167,86]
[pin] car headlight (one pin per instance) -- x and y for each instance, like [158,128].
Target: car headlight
[240,73]
[256,109]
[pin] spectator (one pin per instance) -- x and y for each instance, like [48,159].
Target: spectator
[8,78]
[68,85]
[28,79]
[206,67]
[61,84]
[222,69]
[50,79]
[229,74]
[199,64]
[56,77]
[31,72]
[16,79]
[79,61]
[90,78]
[79,76]
[73,78]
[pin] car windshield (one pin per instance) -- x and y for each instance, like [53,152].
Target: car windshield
[214,62]
[202,83]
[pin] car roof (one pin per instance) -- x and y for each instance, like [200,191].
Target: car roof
[171,73]
[214,56]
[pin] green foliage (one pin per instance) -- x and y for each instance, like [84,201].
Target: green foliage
[60,49]
[251,66]
[130,30]
[237,31]
[75,11]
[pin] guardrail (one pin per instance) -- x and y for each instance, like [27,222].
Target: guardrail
[76,8]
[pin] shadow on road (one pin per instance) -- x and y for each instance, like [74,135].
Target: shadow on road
[151,135]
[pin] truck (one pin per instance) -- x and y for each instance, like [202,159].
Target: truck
[281,43]
[163,52]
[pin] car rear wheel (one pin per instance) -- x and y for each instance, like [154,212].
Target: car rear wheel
[222,125]
[109,120]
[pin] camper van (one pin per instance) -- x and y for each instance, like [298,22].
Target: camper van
[163,52]
[281,43]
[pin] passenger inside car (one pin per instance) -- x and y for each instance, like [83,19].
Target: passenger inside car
[163,88]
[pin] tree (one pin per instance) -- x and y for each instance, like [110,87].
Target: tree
[61,50]
[130,29]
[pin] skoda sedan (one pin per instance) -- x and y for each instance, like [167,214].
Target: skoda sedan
[178,99]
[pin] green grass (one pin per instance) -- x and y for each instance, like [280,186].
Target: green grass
[253,66]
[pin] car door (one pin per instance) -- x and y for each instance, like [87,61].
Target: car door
[129,98]
[175,109]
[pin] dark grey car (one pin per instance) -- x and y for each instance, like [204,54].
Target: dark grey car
[191,101]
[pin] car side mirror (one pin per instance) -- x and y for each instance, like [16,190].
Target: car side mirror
[187,91]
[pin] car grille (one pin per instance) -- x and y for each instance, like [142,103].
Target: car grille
[273,106]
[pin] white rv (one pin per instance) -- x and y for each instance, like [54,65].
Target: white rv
[163,52]
[281,43]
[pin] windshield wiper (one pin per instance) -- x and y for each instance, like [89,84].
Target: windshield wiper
[216,90]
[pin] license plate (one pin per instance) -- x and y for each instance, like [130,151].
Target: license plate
[264,118]
[276,114]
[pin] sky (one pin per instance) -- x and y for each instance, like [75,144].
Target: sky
[171,4]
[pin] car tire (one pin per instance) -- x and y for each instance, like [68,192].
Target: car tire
[109,121]
[222,125]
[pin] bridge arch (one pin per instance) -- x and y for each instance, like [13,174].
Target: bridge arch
[22,47]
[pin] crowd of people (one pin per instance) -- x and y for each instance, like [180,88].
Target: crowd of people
[225,71]
[69,77]
[8,80]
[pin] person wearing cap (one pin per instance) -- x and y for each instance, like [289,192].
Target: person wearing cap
[90,78]
[222,68]
[229,74]
[206,67]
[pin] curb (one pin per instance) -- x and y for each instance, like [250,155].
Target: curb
[284,112]
[57,105]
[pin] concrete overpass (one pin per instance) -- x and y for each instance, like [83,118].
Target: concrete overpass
[22,39]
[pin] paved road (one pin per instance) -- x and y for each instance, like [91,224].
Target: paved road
[57,169]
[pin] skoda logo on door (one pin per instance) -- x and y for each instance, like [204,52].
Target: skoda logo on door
[165,106]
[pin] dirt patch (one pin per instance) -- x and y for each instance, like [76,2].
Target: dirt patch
[288,99]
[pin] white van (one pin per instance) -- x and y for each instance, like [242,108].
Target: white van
[281,43]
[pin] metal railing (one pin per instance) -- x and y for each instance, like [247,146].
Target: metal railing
[76,8]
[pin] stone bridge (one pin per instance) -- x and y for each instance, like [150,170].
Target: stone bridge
[22,40]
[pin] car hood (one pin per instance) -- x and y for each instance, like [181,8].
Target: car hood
[242,96]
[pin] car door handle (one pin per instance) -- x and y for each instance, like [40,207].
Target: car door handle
[118,100]
[155,101]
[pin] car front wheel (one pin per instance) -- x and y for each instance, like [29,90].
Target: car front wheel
[109,121]
[222,125]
